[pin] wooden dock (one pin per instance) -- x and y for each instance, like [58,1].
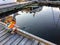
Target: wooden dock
[20,38]
[14,39]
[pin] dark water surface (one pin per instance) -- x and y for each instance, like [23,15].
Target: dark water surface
[44,24]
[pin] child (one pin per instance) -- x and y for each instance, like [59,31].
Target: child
[10,24]
[12,27]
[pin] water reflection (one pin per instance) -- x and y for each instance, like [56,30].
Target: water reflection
[44,24]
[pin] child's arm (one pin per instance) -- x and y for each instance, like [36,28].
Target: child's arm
[17,26]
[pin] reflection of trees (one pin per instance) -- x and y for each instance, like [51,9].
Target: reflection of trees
[32,9]
[26,10]
[36,10]
[33,13]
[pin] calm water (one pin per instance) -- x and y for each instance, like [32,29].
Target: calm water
[44,24]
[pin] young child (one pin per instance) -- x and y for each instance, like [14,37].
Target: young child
[11,24]
[12,27]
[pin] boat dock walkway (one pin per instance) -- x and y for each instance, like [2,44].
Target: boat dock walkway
[20,38]
[14,39]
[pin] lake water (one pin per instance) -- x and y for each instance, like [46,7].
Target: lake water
[44,24]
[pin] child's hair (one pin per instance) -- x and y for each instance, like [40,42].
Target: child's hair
[8,19]
[13,21]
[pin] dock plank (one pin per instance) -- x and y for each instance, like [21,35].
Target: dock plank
[23,41]
[1,34]
[11,40]
[35,42]
[17,41]
[7,39]
[29,42]
[3,37]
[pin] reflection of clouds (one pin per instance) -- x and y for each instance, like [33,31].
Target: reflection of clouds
[54,8]
[45,8]
[20,12]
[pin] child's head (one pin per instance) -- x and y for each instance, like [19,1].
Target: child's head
[13,21]
[8,19]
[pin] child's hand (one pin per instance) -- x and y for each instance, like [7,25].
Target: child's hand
[17,26]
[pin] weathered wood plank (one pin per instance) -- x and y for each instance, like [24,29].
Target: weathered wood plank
[4,37]
[17,41]
[11,40]
[35,42]
[29,42]
[2,34]
[23,41]
[6,40]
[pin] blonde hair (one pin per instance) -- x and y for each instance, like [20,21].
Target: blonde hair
[13,21]
[8,19]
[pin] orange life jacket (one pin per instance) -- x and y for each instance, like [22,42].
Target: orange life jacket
[11,25]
